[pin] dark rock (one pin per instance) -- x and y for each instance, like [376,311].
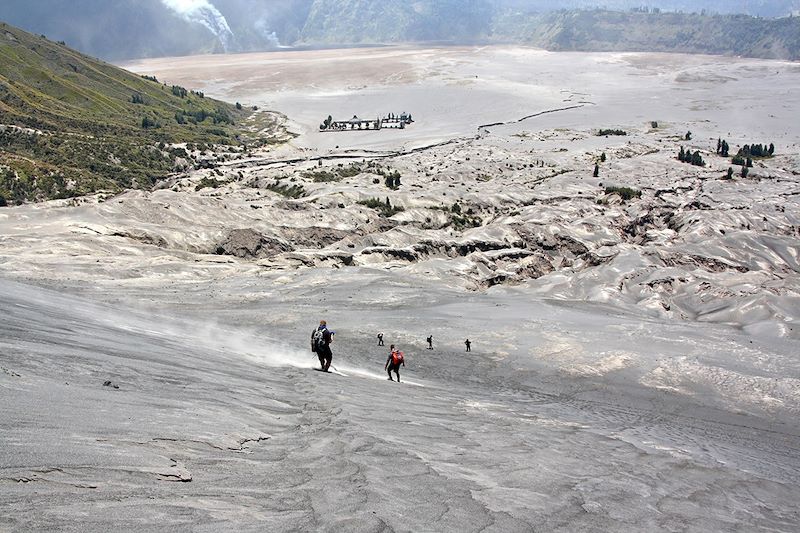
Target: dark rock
[142,237]
[250,244]
[314,237]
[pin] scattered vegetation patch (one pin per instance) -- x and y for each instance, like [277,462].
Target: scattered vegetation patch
[692,158]
[460,219]
[756,151]
[337,173]
[608,132]
[289,191]
[626,193]
[322,176]
[210,183]
[384,208]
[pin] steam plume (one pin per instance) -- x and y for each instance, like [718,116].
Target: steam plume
[205,13]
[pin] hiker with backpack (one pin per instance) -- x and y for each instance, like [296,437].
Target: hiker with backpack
[380,339]
[393,362]
[430,342]
[321,339]
[468,344]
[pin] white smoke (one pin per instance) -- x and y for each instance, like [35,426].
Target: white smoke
[205,13]
[263,27]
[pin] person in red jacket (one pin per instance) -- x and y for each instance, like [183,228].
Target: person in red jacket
[393,362]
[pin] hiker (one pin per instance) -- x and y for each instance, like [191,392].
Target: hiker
[393,362]
[468,345]
[380,339]
[321,339]
[430,342]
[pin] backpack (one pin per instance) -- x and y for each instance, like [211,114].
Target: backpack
[397,357]
[317,340]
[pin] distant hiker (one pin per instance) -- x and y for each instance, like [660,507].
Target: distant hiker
[393,362]
[430,342]
[380,339]
[321,339]
[468,345]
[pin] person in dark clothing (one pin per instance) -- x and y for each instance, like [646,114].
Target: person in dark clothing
[393,362]
[468,345]
[380,339]
[430,342]
[321,339]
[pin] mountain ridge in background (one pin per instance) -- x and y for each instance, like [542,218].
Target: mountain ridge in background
[126,29]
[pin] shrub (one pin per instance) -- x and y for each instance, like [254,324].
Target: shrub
[289,191]
[384,208]
[626,193]
[607,132]
[464,221]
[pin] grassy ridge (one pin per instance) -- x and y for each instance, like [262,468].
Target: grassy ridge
[72,124]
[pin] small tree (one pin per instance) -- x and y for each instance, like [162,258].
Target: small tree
[771,149]
[750,162]
[603,157]
[596,170]
[745,172]
[730,173]
[681,155]
[719,146]
[238,106]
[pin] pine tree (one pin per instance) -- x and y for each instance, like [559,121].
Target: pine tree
[730,173]
[745,172]
[603,157]
[749,162]
[681,155]
[596,170]
[771,149]
[719,146]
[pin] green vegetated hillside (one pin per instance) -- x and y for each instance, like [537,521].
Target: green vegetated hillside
[598,30]
[70,124]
